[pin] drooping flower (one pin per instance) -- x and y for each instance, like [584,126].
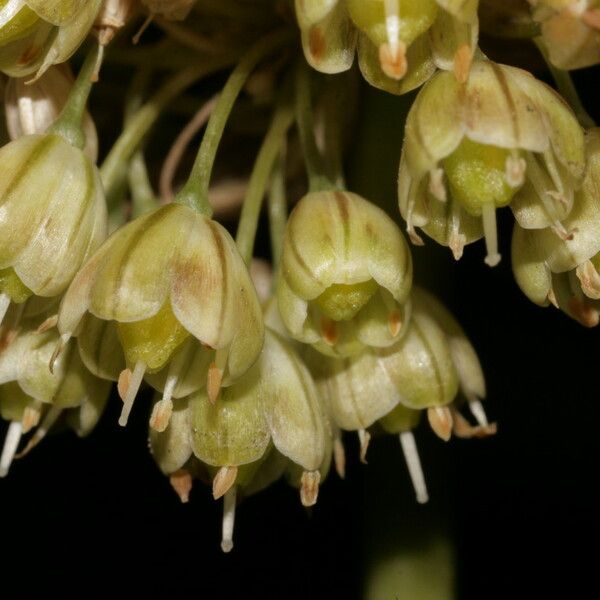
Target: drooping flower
[502,138]
[346,274]
[164,278]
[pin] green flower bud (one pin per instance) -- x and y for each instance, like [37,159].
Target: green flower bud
[473,146]
[328,36]
[549,268]
[570,30]
[165,277]
[33,107]
[35,34]
[346,274]
[54,216]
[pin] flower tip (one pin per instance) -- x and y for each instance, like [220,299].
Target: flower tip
[224,481]
[181,482]
[364,438]
[441,422]
[492,260]
[227,546]
[309,488]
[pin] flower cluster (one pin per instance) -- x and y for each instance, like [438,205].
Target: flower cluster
[104,280]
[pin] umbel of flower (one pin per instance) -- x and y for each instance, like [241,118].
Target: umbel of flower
[400,42]
[564,272]
[570,31]
[70,391]
[35,34]
[32,107]
[275,404]
[501,138]
[346,274]
[167,276]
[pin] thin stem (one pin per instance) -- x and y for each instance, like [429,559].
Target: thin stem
[142,195]
[277,210]
[317,180]
[195,192]
[566,88]
[113,170]
[259,179]
[69,122]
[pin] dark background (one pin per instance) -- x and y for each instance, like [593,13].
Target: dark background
[519,512]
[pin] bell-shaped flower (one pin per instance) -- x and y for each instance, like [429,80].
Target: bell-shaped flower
[35,34]
[564,272]
[165,277]
[52,216]
[501,138]
[346,274]
[274,405]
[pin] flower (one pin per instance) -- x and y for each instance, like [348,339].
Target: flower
[346,274]
[52,216]
[502,138]
[274,406]
[167,276]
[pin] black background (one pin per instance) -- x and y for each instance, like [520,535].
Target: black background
[519,511]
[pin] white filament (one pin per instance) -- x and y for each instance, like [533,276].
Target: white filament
[478,412]
[488,214]
[228,520]
[11,443]
[413,462]
[392,24]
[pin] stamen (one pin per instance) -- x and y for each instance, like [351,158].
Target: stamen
[181,481]
[31,416]
[552,298]
[440,420]
[436,184]
[415,238]
[393,62]
[40,433]
[456,239]
[463,59]
[463,429]
[339,455]
[488,214]
[413,462]
[590,279]
[395,322]
[48,324]
[4,304]
[64,339]
[223,481]
[228,520]
[215,374]
[329,330]
[515,169]
[163,409]
[11,443]
[136,38]
[309,488]
[364,437]
[478,412]
[128,385]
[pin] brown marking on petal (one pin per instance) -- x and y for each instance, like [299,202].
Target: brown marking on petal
[223,481]
[584,312]
[591,18]
[181,481]
[463,58]
[317,44]
[395,322]
[213,382]
[309,487]
[123,383]
[329,331]
[393,63]
[343,209]
[440,420]
[512,108]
